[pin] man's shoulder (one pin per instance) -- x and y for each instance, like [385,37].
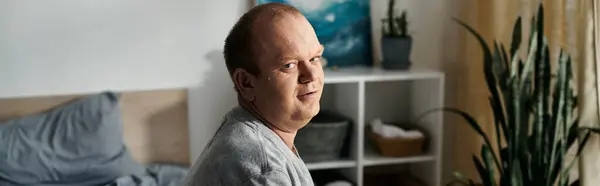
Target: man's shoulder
[245,140]
[238,152]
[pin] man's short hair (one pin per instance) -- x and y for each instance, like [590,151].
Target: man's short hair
[238,49]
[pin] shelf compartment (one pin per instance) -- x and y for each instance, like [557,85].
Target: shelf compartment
[403,102]
[334,164]
[346,99]
[372,158]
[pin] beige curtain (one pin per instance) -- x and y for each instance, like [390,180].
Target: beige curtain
[568,25]
[588,41]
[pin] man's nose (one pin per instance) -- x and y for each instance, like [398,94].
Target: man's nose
[308,72]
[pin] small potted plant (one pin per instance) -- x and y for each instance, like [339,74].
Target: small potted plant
[396,43]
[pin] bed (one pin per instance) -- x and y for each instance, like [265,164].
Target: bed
[105,139]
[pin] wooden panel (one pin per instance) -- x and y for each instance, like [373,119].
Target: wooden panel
[155,123]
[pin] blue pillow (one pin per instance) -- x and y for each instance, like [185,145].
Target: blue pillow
[79,143]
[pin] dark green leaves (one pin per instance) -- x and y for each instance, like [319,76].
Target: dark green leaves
[537,123]
[516,37]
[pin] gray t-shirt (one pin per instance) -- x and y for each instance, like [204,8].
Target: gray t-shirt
[244,151]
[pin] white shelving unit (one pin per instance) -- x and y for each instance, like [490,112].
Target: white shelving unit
[364,94]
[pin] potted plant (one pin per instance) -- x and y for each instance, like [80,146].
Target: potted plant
[396,43]
[535,114]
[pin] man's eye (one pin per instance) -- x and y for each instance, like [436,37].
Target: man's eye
[315,59]
[289,65]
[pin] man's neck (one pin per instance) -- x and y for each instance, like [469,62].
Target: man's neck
[287,137]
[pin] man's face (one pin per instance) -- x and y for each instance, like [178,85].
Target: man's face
[290,83]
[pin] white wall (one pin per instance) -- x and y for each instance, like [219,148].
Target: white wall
[211,100]
[81,46]
[71,46]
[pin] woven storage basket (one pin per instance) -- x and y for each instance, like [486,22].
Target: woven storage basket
[323,138]
[399,147]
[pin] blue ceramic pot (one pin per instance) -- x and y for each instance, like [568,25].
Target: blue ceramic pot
[396,53]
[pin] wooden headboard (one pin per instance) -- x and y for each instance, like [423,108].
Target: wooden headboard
[155,123]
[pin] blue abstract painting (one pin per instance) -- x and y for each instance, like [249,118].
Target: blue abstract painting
[342,26]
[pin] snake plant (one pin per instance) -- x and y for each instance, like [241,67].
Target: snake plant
[535,113]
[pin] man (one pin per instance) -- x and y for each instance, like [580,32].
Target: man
[273,56]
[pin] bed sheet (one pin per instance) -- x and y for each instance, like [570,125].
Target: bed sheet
[157,175]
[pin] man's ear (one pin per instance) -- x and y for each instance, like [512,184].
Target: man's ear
[244,83]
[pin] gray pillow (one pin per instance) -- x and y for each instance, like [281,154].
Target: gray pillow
[79,143]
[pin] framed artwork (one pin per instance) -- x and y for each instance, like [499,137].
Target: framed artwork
[342,26]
